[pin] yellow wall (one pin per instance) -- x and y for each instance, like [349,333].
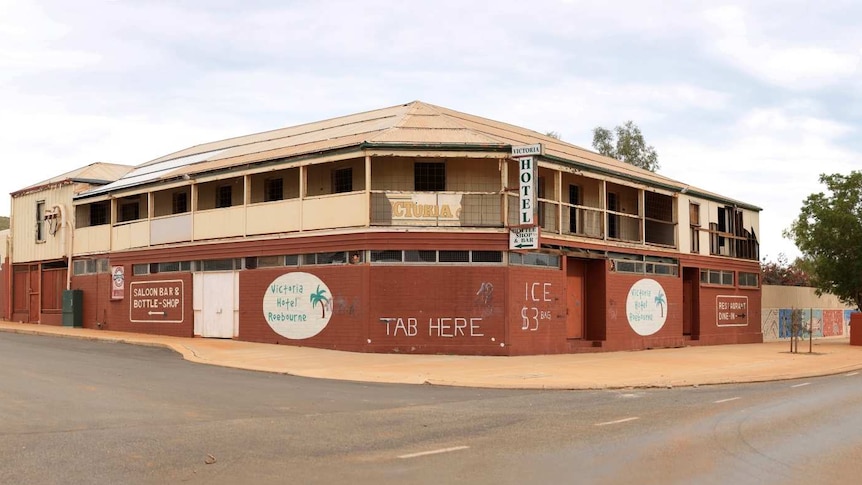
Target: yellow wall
[23,229]
[320,176]
[798,297]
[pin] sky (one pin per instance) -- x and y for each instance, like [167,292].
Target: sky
[749,99]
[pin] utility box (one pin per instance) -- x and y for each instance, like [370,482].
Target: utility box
[73,308]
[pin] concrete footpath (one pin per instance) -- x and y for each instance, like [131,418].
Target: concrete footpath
[687,366]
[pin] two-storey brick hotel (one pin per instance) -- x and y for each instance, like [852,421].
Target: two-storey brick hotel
[413,229]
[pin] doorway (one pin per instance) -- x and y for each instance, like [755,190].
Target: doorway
[574,298]
[613,219]
[574,199]
[215,304]
[690,302]
[35,295]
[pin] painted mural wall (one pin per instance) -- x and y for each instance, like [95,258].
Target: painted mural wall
[825,315]
[396,309]
[643,312]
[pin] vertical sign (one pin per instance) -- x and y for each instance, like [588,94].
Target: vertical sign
[526,191]
[118,282]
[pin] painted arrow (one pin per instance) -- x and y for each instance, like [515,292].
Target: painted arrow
[157,313]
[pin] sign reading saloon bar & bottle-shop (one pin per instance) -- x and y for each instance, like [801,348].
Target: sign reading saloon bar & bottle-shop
[156,301]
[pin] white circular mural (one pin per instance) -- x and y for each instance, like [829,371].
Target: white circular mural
[297,305]
[646,307]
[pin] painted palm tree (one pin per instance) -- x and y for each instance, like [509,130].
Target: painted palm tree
[317,297]
[659,300]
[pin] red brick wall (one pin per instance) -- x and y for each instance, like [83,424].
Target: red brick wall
[95,291]
[114,315]
[620,335]
[536,311]
[5,288]
[410,309]
[457,309]
[711,333]
[346,328]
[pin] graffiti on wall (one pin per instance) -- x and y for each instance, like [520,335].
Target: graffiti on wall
[537,297]
[646,307]
[484,300]
[444,327]
[777,323]
[297,305]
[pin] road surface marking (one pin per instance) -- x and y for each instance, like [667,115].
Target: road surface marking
[624,420]
[433,452]
[727,400]
[800,385]
[852,374]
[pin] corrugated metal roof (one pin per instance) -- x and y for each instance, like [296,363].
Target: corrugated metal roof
[98,171]
[148,173]
[414,123]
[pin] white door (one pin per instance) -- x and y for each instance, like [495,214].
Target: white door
[216,304]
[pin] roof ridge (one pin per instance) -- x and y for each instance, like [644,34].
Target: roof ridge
[416,105]
[171,156]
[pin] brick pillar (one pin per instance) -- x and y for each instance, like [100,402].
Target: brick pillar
[856,328]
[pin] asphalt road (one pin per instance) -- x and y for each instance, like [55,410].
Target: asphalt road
[75,411]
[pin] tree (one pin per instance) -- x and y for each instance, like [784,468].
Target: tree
[659,300]
[4,223]
[318,297]
[783,273]
[828,232]
[626,143]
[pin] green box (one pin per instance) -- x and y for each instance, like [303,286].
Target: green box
[73,308]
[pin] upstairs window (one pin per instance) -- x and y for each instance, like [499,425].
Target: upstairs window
[224,196]
[429,177]
[40,222]
[129,212]
[99,213]
[342,180]
[180,203]
[273,189]
[694,226]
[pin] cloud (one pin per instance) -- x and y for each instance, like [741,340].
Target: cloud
[792,59]
[771,158]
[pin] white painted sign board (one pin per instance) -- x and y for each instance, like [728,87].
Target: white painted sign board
[521,238]
[526,191]
[526,150]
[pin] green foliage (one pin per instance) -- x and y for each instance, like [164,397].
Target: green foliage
[828,232]
[783,273]
[4,223]
[626,143]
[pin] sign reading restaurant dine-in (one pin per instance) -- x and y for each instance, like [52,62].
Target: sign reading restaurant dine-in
[156,301]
